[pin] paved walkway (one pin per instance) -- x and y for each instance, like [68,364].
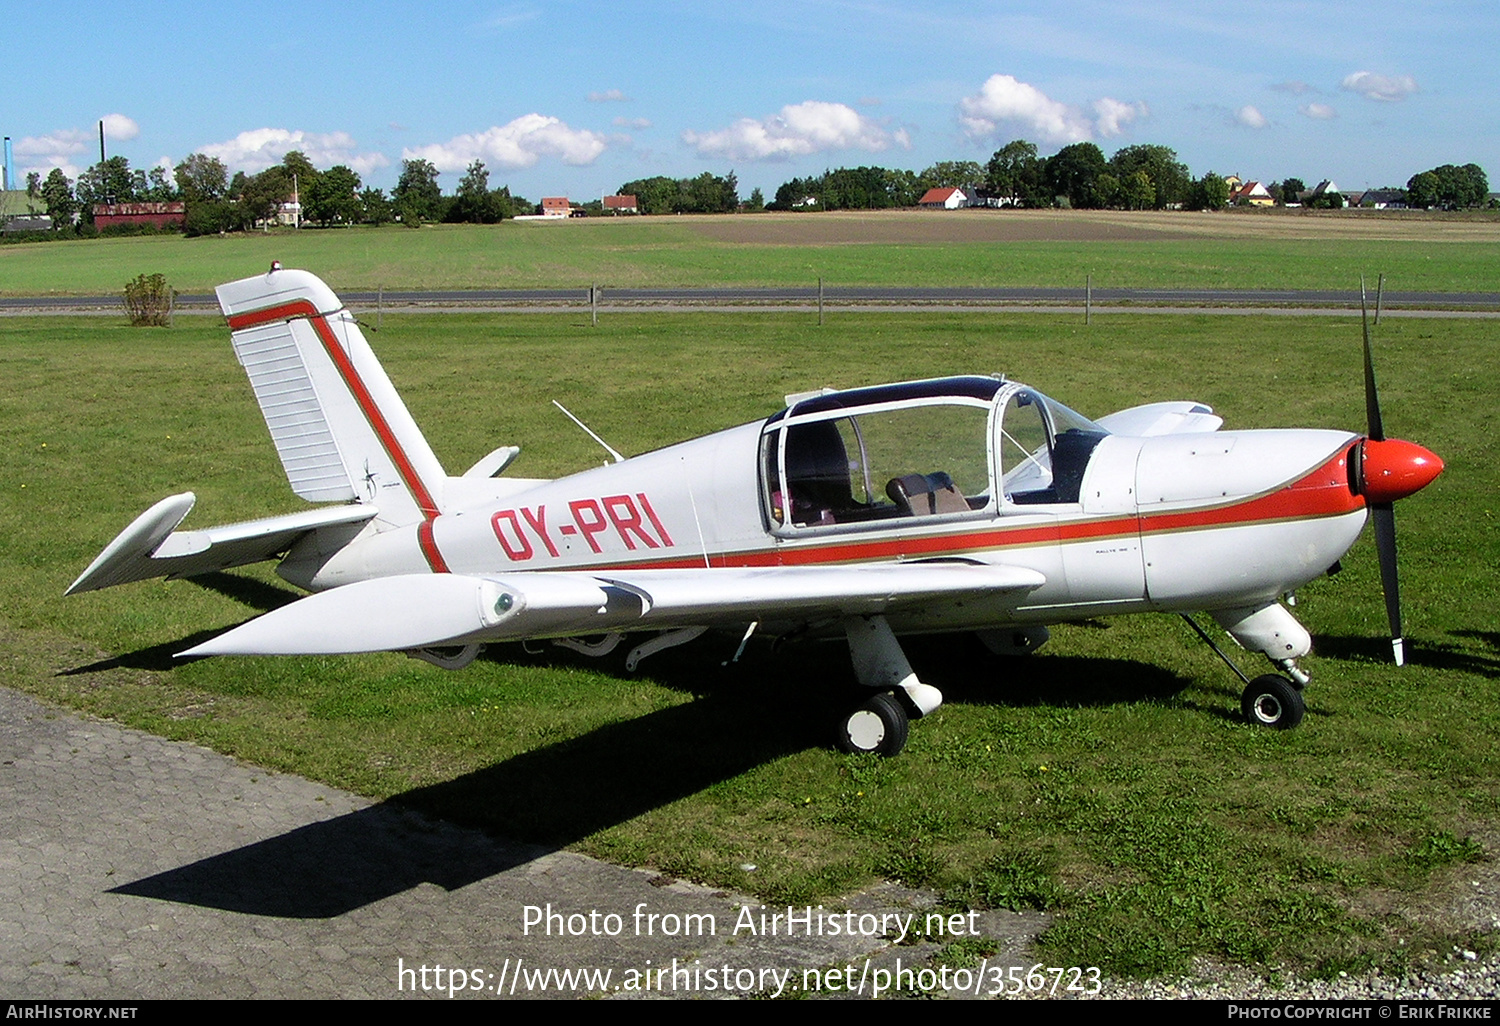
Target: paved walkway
[132,867]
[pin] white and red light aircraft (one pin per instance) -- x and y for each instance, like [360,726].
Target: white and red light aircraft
[956,504]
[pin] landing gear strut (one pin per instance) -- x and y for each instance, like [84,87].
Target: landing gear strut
[880,724]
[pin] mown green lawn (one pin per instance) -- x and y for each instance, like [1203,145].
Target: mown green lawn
[1108,778]
[685,251]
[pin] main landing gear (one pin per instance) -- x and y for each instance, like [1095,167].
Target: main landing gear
[879,724]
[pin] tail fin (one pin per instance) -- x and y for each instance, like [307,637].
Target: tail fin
[340,428]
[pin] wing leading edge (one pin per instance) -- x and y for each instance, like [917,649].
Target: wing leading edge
[421,610]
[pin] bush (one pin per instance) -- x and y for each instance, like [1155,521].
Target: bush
[149,301]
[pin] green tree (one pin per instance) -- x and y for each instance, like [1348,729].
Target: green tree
[377,209]
[1211,192]
[757,201]
[263,194]
[110,181]
[1071,172]
[333,197]
[1168,177]
[417,194]
[952,174]
[1292,190]
[1136,192]
[1014,175]
[57,193]
[33,184]
[202,179]
[474,203]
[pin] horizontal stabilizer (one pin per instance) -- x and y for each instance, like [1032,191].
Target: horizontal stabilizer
[150,547]
[421,610]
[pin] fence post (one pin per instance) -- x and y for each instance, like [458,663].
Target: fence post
[1088,298]
[820,302]
[594,304]
[379,306]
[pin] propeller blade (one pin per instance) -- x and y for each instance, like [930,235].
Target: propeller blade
[1384,514]
[1372,397]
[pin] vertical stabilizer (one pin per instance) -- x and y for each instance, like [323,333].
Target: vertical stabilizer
[341,430]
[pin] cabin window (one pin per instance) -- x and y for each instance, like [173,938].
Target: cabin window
[881,463]
[1044,450]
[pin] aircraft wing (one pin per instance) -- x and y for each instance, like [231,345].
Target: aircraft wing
[423,610]
[151,547]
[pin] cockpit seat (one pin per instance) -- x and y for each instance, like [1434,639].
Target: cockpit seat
[926,494]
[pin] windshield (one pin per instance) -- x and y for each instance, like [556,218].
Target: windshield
[1044,449]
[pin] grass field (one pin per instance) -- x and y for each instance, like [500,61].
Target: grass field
[995,248]
[1106,778]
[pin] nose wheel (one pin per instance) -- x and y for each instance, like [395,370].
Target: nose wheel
[1272,701]
[878,726]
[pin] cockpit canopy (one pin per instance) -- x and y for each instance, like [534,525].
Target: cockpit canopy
[940,448]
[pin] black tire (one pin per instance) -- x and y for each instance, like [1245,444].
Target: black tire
[879,726]
[1274,702]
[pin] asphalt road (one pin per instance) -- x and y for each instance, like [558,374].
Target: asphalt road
[836,296]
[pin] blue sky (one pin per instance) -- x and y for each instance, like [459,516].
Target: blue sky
[577,98]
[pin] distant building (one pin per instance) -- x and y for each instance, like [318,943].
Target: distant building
[943,199]
[1382,199]
[556,206]
[159,214]
[620,205]
[22,212]
[1249,194]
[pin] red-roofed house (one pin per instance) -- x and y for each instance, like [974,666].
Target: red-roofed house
[556,206]
[620,205]
[1251,194]
[943,199]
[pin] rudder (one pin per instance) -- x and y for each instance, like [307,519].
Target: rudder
[340,428]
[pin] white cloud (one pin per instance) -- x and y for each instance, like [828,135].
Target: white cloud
[1250,117]
[608,96]
[633,123]
[119,128]
[799,129]
[1318,111]
[55,149]
[520,143]
[1111,116]
[260,148]
[1006,101]
[1385,88]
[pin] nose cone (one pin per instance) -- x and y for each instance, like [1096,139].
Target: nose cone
[1392,469]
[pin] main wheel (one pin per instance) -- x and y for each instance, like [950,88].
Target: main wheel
[878,726]
[1272,701]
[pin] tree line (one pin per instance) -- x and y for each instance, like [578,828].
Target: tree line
[1138,177]
[216,202]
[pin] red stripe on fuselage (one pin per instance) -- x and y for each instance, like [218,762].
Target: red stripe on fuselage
[305,309]
[1322,493]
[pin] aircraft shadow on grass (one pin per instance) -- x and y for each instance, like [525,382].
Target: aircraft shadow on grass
[464,830]
[1438,655]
